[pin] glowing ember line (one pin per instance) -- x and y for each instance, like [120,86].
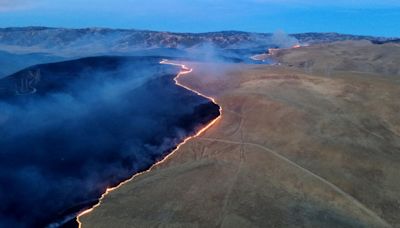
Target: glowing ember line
[184,70]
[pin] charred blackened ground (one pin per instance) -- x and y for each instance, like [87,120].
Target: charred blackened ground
[71,129]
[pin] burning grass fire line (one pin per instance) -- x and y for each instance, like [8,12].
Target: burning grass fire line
[273,51]
[184,70]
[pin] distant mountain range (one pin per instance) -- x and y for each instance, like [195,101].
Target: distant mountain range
[104,40]
[25,46]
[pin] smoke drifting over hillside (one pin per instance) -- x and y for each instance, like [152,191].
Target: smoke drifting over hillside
[92,122]
[85,124]
[76,127]
[283,40]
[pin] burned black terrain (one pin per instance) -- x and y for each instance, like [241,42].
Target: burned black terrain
[71,129]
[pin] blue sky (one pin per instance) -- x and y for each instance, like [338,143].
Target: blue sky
[368,17]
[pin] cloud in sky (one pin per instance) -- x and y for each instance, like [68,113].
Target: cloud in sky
[6,5]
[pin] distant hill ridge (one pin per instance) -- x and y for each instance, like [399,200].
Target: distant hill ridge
[21,47]
[45,39]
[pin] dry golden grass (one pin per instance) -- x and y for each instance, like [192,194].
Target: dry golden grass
[296,147]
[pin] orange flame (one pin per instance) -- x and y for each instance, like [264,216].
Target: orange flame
[185,70]
[273,51]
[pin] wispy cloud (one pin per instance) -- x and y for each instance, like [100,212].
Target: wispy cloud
[11,5]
